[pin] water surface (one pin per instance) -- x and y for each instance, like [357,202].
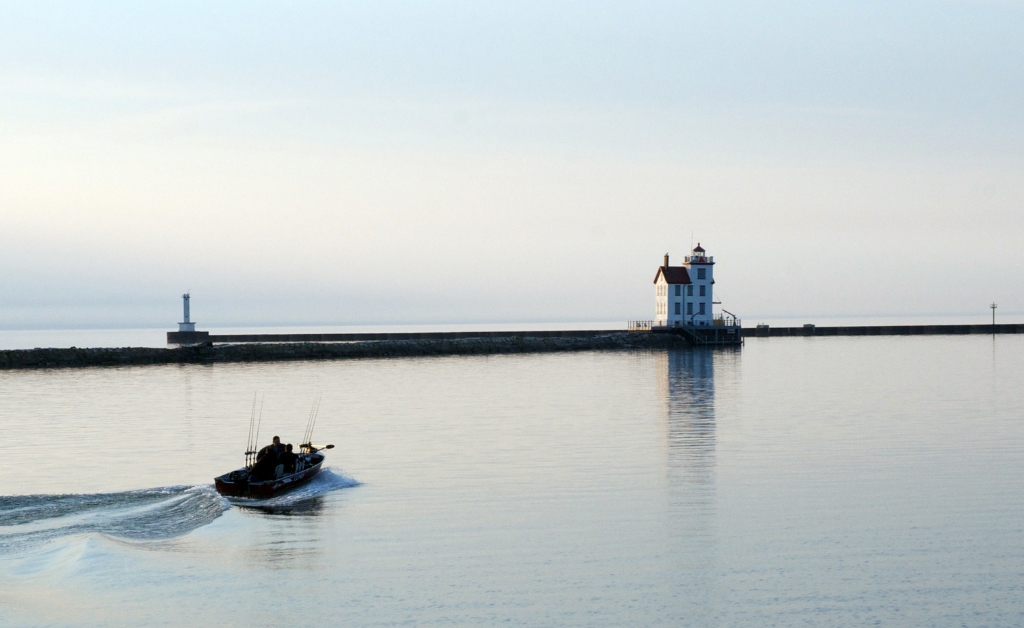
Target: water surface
[798,481]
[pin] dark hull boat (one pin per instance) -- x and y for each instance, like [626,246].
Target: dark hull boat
[264,474]
[240,482]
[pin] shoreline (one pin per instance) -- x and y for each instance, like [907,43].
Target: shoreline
[13,359]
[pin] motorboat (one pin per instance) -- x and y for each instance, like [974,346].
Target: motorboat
[243,483]
[264,475]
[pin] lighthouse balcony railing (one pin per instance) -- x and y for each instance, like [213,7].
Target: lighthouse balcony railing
[719,320]
[725,320]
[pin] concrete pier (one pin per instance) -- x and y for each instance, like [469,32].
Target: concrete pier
[884,330]
[708,335]
[205,337]
[472,344]
[211,348]
[705,335]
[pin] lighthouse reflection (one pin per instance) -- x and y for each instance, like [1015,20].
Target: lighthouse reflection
[689,394]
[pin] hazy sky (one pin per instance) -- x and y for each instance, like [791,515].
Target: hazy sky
[392,162]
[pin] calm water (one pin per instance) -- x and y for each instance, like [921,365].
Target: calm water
[800,481]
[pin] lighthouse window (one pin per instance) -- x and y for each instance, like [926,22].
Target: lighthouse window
[702,308]
[677,307]
[689,308]
[678,290]
[689,290]
[703,291]
[702,273]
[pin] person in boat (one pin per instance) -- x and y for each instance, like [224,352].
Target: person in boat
[288,459]
[275,448]
[267,460]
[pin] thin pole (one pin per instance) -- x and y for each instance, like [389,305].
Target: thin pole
[309,418]
[308,437]
[248,440]
[315,414]
[258,424]
[993,306]
[308,434]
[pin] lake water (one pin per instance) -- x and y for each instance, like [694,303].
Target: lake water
[797,481]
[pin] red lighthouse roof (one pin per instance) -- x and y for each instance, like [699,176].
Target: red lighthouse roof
[673,274]
[698,248]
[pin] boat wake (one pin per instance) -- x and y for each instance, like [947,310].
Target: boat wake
[144,515]
[148,514]
[327,480]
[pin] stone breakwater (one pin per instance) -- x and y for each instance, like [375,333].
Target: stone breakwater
[131,356]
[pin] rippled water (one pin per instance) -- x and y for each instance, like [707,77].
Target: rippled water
[798,481]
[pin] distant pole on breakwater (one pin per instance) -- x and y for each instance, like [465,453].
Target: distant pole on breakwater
[993,306]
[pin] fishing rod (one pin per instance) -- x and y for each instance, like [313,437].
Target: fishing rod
[248,440]
[316,413]
[315,416]
[311,421]
[307,437]
[258,424]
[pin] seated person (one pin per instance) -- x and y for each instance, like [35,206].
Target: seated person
[267,460]
[275,448]
[288,459]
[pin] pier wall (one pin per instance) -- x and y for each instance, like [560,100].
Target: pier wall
[200,337]
[204,337]
[210,348]
[884,330]
[529,342]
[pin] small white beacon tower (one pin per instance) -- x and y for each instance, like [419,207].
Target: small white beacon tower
[186,325]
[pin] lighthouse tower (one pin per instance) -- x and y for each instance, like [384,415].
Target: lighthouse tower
[701,270]
[186,325]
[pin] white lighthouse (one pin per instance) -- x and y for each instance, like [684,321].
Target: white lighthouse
[186,325]
[683,294]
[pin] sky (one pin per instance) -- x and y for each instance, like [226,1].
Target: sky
[335,163]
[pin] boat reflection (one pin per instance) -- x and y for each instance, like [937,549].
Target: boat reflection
[311,507]
[293,535]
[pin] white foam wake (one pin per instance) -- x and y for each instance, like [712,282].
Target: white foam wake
[147,514]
